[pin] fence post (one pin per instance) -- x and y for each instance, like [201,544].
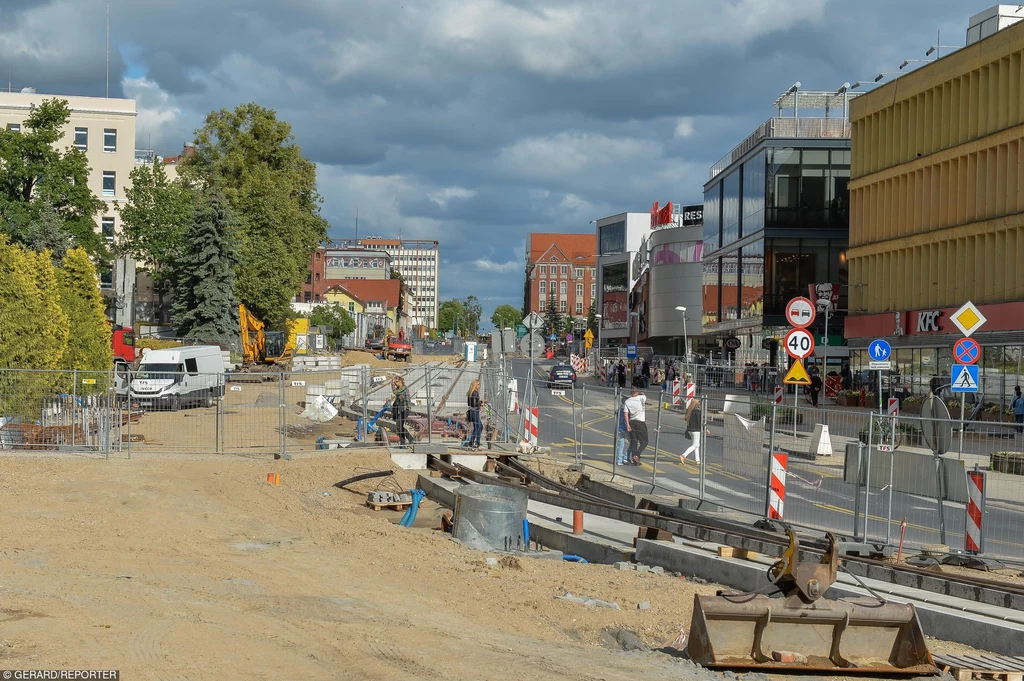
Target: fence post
[128,394]
[583,420]
[364,392]
[216,428]
[702,450]
[771,453]
[892,468]
[856,495]
[74,404]
[615,429]
[657,441]
[940,494]
[430,410]
[282,418]
[867,491]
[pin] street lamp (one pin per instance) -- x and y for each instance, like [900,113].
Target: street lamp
[598,318]
[686,340]
[907,62]
[935,48]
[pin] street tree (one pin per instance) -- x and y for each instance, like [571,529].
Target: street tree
[552,317]
[473,313]
[450,316]
[88,345]
[38,181]
[334,316]
[592,318]
[505,317]
[204,302]
[271,189]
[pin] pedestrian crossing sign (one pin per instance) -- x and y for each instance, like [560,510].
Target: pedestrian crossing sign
[797,375]
[964,378]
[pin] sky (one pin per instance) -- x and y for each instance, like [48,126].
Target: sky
[475,122]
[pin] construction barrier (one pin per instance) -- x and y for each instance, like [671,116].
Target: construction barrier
[579,365]
[676,397]
[778,394]
[691,391]
[777,490]
[974,538]
[530,419]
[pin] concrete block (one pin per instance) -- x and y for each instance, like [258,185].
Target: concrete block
[821,441]
[473,461]
[426,448]
[658,570]
[410,461]
[643,605]
[623,565]
[643,568]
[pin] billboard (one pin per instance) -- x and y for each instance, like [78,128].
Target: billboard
[693,216]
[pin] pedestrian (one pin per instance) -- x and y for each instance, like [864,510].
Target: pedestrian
[620,372]
[400,408]
[645,373]
[473,414]
[693,431]
[847,376]
[620,452]
[815,386]
[1018,409]
[636,410]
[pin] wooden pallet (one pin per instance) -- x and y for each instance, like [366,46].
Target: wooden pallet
[389,505]
[988,666]
[731,552]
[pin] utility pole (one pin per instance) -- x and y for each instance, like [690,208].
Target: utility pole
[108,48]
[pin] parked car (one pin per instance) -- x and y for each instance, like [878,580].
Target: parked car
[374,343]
[562,376]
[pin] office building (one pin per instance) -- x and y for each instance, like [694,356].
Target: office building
[560,267]
[776,222]
[619,238]
[937,206]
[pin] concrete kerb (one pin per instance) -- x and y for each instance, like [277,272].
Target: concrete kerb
[944,617]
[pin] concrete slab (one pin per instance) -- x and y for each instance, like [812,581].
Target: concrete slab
[427,448]
[473,461]
[410,461]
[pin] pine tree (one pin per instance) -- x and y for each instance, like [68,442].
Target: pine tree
[204,301]
[89,343]
[592,318]
[553,318]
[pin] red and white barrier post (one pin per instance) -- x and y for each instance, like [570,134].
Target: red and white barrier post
[530,419]
[778,394]
[676,397]
[974,537]
[691,392]
[777,486]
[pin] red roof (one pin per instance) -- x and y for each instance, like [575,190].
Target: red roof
[367,290]
[577,249]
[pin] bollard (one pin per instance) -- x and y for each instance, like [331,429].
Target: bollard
[974,536]
[577,521]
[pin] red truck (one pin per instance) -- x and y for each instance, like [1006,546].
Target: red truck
[123,342]
[396,349]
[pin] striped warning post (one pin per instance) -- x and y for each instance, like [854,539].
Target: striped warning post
[777,495]
[778,394]
[974,540]
[676,397]
[691,391]
[530,417]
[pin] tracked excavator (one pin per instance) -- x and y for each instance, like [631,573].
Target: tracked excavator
[268,348]
[802,630]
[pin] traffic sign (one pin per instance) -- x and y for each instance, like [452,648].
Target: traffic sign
[893,409]
[965,378]
[521,330]
[879,350]
[968,318]
[936,426]
[631,351]
[588,342]
[879,366]
[797,375]
[799,343]
[800,312]
[568,338]
[589,335]
[733,343]
[966,351]
[552,337]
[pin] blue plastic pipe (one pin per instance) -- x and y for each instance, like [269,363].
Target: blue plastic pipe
[526,533]
[410,515]
[574,559]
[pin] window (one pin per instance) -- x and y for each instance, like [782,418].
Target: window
[14,127]
[543,270]
[307,298]
[107,228]
[109,139]
[551,285]
[317,277]
[351,307]
[565,288]
[82,139]
[612,238]
[191,366]
[579,290]
[565,270]
[107,277]
[593,290]
[109,182]
[579,272]
[561,306]
[579,308]
[543,287]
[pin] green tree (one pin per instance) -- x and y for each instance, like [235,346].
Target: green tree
[155,217]
[334,316]
[204,303]
[271,188]
[505,317]
[36,177]
[402,290]
[570,324]
[592,318]
[33,327]
[472,315]
[89,341]
[552,317]
[450,316]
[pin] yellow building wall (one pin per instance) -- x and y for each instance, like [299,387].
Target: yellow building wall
[344,299]
[937,190]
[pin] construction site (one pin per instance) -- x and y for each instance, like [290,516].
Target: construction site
[285,532]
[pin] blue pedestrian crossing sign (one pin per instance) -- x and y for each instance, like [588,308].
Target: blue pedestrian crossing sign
[879,350]
[552,337]
[965,378]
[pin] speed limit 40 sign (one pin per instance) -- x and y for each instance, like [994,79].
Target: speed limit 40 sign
[799,343]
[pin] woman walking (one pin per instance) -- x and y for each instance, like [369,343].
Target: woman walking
[400,408]
[693,431]
[474,402]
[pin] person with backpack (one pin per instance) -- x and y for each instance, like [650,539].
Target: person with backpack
[400,408]
[693,431]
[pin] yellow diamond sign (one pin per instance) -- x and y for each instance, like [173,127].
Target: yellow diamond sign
[968,319]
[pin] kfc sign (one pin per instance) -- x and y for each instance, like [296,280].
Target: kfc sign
[928,321]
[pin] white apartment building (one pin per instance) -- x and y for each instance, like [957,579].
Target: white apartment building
[104,129]
[418,261]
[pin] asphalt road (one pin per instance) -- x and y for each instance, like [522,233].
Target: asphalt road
[816,495]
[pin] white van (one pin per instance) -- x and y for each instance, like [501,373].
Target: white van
[174,378]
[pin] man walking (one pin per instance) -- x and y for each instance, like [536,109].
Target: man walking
[636,412]
[1018,409]
[815,386]
[624,439]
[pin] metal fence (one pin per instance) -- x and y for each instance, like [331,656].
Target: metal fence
[848,470]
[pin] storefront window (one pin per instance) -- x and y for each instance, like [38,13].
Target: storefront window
[839,208]
[712,290]
[730,279]
[615,292]
[752,272]
[753,194]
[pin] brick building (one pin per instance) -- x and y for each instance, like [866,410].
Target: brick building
[565,264]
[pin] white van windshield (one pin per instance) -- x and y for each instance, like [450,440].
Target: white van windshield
[159,371]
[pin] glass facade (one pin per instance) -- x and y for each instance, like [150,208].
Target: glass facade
[675,253]
[753,194]
[752,273]
[713,218]
[615,295]
[731,208]
[612,238]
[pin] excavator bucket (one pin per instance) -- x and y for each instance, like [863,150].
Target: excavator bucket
[803,632]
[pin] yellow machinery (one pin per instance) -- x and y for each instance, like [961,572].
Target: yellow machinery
[260,346]
[254,339]
[805,632]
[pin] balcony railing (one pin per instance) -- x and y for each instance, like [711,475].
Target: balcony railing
[785,128]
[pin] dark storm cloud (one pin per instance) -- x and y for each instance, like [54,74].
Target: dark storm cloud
[476,121]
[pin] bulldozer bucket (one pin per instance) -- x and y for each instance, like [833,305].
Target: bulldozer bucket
[752,631]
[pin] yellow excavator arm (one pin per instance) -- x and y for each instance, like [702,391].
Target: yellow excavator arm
[254,339]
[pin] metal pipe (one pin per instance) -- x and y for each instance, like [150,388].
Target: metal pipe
[963,404]
[703,446]
[583,422]
[867,493]
[657,441]
[892,468]
[74,402]
[856,495]
[616,407]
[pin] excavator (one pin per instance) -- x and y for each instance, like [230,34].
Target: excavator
[802,630]
[260,346]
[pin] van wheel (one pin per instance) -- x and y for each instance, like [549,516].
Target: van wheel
[208,401]
[175,403]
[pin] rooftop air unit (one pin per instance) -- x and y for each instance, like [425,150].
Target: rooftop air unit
[992,20]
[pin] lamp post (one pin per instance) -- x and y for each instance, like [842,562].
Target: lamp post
[686,340]
[598,318]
